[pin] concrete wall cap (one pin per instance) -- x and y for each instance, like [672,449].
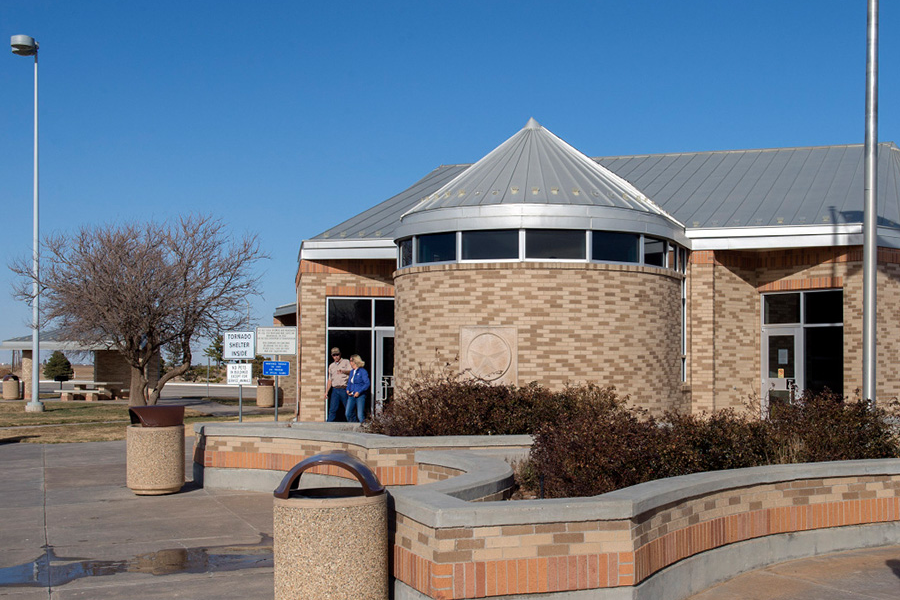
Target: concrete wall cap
[444,503]
[343,432]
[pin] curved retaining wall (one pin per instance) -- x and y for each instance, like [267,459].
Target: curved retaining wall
[666,539]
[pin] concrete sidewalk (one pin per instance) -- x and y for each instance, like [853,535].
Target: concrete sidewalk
[69,528]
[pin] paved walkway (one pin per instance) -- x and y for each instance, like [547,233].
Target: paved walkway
[856,575]
[69,528]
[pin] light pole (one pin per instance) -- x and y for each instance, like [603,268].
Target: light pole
[25,45]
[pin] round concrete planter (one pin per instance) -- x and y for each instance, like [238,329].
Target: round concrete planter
[331,547]
[155,459]
[11,390]
[265,396]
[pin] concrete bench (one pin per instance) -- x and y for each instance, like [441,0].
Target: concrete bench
[87,395]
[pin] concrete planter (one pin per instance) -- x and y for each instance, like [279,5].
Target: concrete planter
[155,459]
[265,396]
[11,390]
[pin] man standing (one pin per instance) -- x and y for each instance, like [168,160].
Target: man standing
[336,385]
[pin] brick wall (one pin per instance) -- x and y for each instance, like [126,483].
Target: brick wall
[392,465]
[315,282]
[724,326]
[445,548]
[109,365]
[608,324]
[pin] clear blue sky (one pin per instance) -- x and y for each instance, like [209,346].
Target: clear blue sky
[285,118]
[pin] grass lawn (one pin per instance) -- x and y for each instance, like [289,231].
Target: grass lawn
[63,422]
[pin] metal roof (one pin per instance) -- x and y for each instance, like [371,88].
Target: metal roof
[50,340]
[773,187]
[536,167]
[381,220]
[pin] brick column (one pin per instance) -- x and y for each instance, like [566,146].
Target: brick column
[26,374]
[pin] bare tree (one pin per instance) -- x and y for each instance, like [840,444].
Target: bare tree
[140,287]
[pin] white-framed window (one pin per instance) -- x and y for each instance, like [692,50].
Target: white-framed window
[576,245]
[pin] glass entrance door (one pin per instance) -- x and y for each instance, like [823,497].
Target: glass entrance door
[783,355]
[383,383]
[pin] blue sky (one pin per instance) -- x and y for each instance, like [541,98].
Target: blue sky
[284,118]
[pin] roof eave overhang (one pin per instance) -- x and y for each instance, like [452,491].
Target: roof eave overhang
[782,236]
[348,249]
[14,344]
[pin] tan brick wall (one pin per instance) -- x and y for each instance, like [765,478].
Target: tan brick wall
[609,324]
[548,550]
[109,365]
[887,363]
[315,282]
[392,466]
[724,326]
[634,309]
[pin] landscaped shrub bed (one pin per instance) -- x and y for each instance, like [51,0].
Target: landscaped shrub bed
[588,441]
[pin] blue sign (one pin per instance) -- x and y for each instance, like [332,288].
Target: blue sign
[280,368]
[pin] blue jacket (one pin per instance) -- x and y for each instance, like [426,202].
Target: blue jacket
[358,381]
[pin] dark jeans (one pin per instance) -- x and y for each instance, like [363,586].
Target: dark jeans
[356,409]
[337,400]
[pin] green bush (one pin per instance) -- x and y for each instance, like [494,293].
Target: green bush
[58,366]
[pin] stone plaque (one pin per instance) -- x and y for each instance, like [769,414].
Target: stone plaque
[489,353]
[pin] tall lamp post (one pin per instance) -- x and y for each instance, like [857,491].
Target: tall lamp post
[25,45]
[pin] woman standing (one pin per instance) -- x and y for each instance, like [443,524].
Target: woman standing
[357,386]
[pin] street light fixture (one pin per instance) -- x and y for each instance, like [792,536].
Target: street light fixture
[25,45]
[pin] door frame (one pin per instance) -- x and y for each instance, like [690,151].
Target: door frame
[382,382]
[787,384]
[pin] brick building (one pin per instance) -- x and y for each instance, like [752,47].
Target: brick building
[693,281]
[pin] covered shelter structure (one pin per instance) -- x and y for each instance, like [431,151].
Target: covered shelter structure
[109,364]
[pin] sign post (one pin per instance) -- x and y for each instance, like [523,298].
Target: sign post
[277,368]
[240,374]
[239,345]
[275,341]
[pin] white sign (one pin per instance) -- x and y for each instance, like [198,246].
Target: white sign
[238,345]
[240,373]
[276,340]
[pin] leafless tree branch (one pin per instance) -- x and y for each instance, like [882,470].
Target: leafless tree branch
[141,286]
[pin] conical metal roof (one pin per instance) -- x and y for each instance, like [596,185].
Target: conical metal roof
[536,167]
[536,180]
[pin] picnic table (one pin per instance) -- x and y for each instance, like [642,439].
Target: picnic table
[92,391]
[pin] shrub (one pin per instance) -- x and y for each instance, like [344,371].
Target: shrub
[825,426]
[599,447]
[444,404]
[58,366]
[587,441]
[594,453]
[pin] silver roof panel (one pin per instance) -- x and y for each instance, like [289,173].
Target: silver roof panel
[774,187]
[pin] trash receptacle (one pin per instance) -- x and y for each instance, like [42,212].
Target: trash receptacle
[155,450]
[11,387]
[265,393]
[331,542]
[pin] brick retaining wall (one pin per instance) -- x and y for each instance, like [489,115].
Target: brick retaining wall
[611,546]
